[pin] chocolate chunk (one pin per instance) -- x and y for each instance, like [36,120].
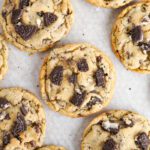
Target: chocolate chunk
[82,65]
[94,100]
[25,31]
[98,59]
[56,75]
[110,144]
[77,98]
[4,104]
[144,46]
[100,77]
[49,18]
[127,122]
[36,127]
[136,34]
[16,15]
[142,141]
[6,139]
[23,110]
[23,3]
[19,126]
[7,117]
[73,78]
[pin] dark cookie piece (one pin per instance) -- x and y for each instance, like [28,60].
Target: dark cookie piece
[25,31]
[77,98]
[82,65]
[49,18]
[142,141]
[4,103]
[144,46]
[94,100]
[19,126]
[100,77]
[136,34]
[56,75]
[73,78]
[6,138]
[23,110]
[16,15]
[23,3]
[110,144]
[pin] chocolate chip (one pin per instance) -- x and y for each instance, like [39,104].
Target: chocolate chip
[49,18]
[23,110]
[19,126]
[110,144]
[25,31]
[4,14]
[136,34]
[94,100]
[7,117]
[77,98]
[16,15]
[6,139]
[56,75]
[98,59]
[73,78]
[144,46]
[36,126]
[23,3]
[4,103]
[33,143]
[82,65]
[100,77]
[142,141]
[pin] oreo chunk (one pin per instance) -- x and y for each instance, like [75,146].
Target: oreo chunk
[110,144]
[6,139]
[49,18]
[94,100]
[144,46]
[25,31]
[142,141]
[23,110]
[100,78]
[19,126]
[77,98]
[56,75]
[136,34]
[4,104]
[82,65]
[73,78]
[127,122]
[23,3]
[16,15]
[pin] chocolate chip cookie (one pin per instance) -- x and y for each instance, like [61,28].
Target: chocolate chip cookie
[131,37]
[52,147]
[3,57]
[36,25]
[117,130]
[22,120]
[109,3]
[77,80]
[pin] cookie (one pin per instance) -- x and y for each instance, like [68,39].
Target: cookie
[36,25]
[131,37]
[77,80]
[52,147]
[22,120]
[3,57]
[117,130]
[109,3]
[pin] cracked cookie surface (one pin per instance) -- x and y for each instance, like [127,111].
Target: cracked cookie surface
[51,147]
[36,25]
[131,37]
[117,130]
[3,57]
[109,3]
[77,80]
[22,120]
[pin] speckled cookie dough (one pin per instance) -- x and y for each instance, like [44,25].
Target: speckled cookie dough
[131,37]
[3,57]
[109,3]
[117,130]
[77,80]
[52,147]
[22,120]
[36,25]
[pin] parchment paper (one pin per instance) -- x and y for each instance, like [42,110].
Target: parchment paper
[91,25]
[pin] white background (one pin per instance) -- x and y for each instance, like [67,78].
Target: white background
[91,25]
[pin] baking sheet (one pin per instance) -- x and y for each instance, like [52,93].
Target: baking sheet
[91,25]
